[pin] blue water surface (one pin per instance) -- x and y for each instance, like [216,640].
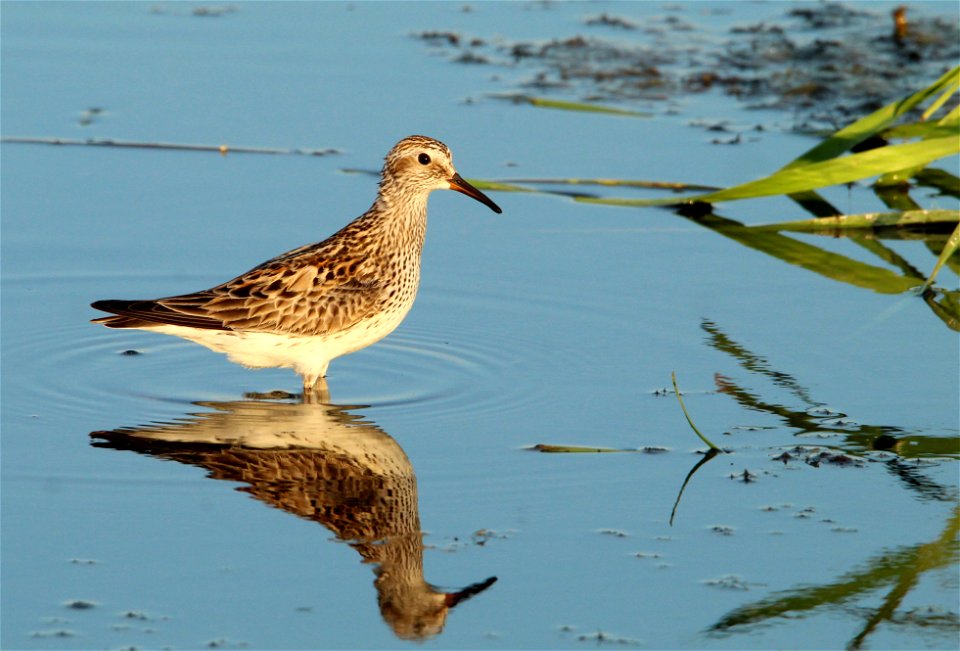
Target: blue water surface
[557,322]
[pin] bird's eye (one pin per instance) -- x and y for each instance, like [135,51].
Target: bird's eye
[424,159]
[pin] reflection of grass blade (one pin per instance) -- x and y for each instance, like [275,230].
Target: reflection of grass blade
[901,568]
[947,308]
[876,247]
[813,203]
[711,453]
[812,258]
[804,421]
[895,196]
[867,221]
[753,363]
[676,391]
[948,250]
[944,181]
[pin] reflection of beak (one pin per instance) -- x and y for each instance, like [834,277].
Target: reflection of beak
[457,183]
[454,598]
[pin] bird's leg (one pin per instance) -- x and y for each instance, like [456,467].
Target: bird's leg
[315,390]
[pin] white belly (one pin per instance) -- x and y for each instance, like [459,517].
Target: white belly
[307,355]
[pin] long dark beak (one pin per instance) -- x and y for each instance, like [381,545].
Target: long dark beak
[457,183]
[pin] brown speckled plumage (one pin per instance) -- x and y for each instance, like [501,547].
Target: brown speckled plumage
[307,306]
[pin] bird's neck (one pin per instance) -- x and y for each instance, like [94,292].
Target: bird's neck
[402,213]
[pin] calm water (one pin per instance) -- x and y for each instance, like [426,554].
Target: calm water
[555,323]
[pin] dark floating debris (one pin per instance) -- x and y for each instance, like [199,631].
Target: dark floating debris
[214,11]
[818,456]
[728,582]
[80,604]
[825,63]
[89,116]
[58,633]
[608,638]
[606,20]
[746,476]
[203,11]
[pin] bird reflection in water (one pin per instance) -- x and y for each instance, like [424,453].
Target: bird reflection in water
[323,463]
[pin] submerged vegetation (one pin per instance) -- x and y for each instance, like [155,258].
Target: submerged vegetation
[825,64]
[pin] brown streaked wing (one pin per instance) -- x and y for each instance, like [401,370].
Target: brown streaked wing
[304,300]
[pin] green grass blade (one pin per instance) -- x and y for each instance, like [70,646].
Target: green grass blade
[867,221]
[500,187]
[940,101]
[872,124]
[635,203]
[792,180]
[921,130]
[837,171]
[624,183]
[686,414]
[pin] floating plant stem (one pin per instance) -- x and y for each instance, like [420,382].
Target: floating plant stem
[572,449]
[220,149]
[584,107]
[868,221]
[654,185]
[676,390]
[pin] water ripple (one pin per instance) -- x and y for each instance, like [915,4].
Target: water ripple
[461,352]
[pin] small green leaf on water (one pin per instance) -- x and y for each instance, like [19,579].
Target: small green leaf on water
[571,449]
[582,107]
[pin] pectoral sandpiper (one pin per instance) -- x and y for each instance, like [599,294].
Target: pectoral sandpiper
[315,303]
